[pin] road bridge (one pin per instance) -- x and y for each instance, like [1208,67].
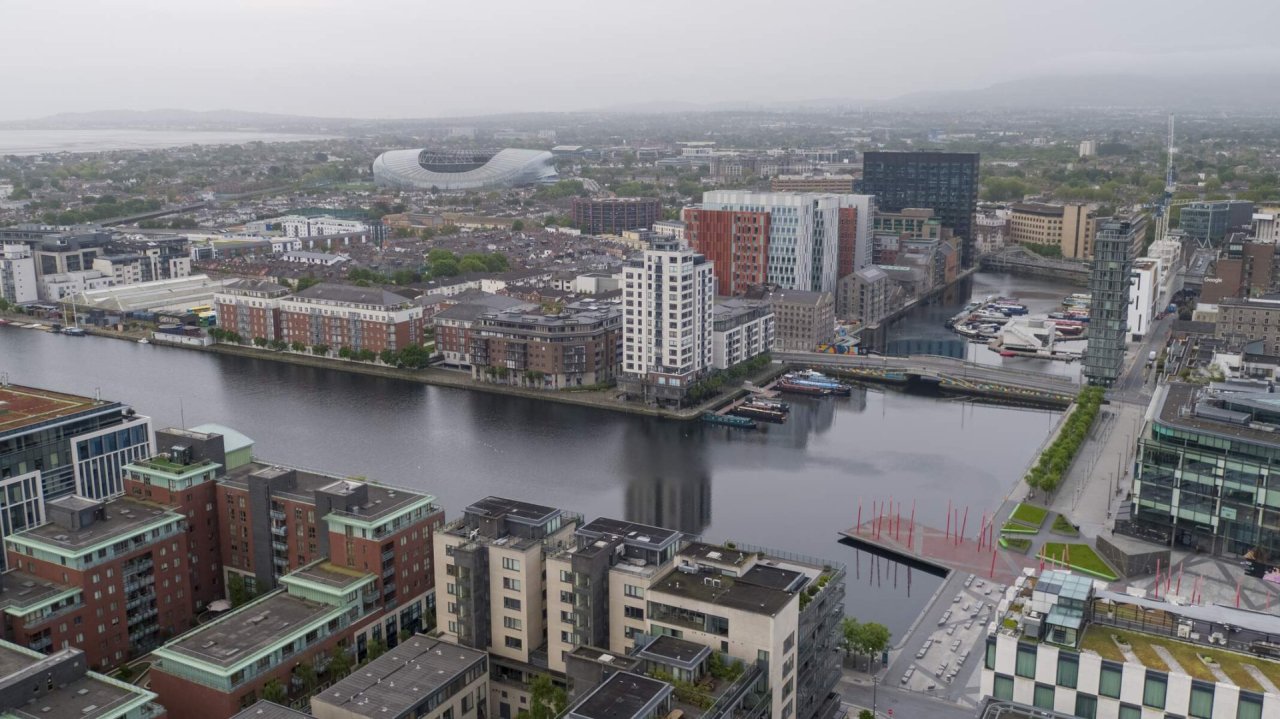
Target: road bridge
[1018,259]
[946,373]
[127,219]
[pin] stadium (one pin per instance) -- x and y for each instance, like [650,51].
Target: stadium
[462,170]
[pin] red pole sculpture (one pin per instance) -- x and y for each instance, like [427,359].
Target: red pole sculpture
[911,525]
[857,528]
[993,565]
[948,535]
[963,524]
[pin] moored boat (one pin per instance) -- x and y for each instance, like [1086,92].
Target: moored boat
[728,420]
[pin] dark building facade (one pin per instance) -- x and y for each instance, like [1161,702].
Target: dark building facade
[946,182]
[1209,222]
[612,215]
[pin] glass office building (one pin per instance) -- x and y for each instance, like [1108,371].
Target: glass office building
[946,182]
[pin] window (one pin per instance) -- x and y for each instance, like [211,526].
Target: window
[1068,670]
[1026,665]
[512,623]
[1250,706]
[1201,700]
[514,643]
[509,603]
[1109,681]
[1003,688]
[1129,711]
[1044,696]
[512,584]
[451,588]
[1086,706]
[1154,690]
[633,612]
[511,563]
[991,654]
[632,590]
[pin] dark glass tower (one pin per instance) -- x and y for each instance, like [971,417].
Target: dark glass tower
[946,182]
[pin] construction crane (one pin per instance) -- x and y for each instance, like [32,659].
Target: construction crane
[1170,186]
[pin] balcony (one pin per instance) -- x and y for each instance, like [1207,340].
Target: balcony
[279,530]
[277,515]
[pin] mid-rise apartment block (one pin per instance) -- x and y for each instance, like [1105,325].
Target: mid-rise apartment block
[422,678]
[946,182]
[1256,318]
[668,297]
[737,243]
[1063,645]
[834,184]
[802,320]
[612,215]
[864,296]
[18,283]
[742,329]
[581,345]
[1069,229]
[251,308]
[614,586]
[302,226]
[359,318]
[120,568]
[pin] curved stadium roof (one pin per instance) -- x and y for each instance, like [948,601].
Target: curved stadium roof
[405,169]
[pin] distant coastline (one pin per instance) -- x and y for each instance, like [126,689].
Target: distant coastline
[39,142]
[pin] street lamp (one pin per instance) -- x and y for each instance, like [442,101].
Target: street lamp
[875,681]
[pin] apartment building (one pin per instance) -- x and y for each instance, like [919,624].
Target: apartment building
[120,575]
[613,586]
[18,274]
[737,243]
[60,686]
[1053,646]
[222,666]
[581,345]
[1068,228]
[802,320]
[359,318]
[422,678]
[251,308]
[864,296]
[741,330]
[453,324]
[668,297]
[71,443]
[1109,286]
[301,226]
[612,215]
[155,263]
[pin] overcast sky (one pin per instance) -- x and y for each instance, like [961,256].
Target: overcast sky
[427,58]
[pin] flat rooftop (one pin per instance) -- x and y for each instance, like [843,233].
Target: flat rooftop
[715,553]
[90,696]
[774,577]
[725,591]
[20,589]
[120,518]
[249,629]
[622,696]
[527,512]
[645,535]
[1180,396]
[669,650]
[384,500]
[395,682]
[270,710]
[330,574]
[22,407]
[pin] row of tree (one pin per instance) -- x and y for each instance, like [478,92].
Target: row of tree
[717,381]
[411,357]
[1047,473]
[443,263]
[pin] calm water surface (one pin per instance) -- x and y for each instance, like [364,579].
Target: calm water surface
[790,486]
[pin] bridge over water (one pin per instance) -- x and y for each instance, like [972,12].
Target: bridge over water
[946,373]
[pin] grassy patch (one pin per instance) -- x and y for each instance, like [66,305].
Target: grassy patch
[1187,655]
[1078,556]
[1062,526]
[1015,528]
[1029,514]
[1016,544]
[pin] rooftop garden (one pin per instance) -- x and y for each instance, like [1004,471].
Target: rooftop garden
[1079,557]
[1195,659]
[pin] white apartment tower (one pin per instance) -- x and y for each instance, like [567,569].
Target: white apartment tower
[667,320]
[17,274]
[804,233]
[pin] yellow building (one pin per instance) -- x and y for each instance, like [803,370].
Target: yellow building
[1070,228]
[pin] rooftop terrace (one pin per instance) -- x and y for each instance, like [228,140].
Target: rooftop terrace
[22,407]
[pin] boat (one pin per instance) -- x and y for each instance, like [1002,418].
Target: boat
[1008,353]
[768,415]
[144,341]
[797,388]
[728,420]
[1009,308]
[817,379]
[770,403]
[73,332]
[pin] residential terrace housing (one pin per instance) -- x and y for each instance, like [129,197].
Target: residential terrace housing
[1053,645]
[60,686]
[360,318]
[614,584]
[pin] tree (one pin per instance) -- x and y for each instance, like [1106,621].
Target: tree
[546,700]
[366,355]
[4,305]
[517,226]
[414,357]
[319,349]
[298,346]
[305,282]
[344,352]
[260,341]
[445,268]
[306,673]
[388,356]
[340,664]
[376,648]
[274,691]
[472,264]
[866,714]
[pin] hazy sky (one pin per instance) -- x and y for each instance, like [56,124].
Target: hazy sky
[424,58]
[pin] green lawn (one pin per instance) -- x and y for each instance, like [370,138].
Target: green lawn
[1029,514]
[1016,544]
[1062,526]
[1015,528]
[1080,557]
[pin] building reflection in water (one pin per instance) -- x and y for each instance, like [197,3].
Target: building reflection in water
[669,483]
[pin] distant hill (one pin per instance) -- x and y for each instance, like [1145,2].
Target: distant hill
[170,119]
[1208,92]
